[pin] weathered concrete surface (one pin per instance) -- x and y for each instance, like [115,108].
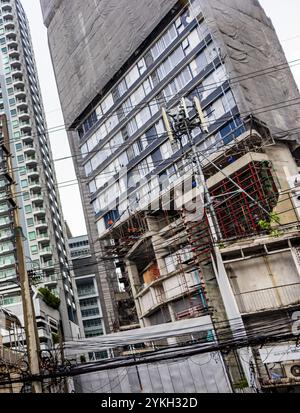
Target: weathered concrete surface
[249,44]
[90,40]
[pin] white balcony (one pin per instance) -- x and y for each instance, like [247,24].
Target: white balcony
[39,211]
[28,149]
[20,93]
[41,224]
[23,115]
[45,252]
[37,199]
[34,185]
[10,34]
[6,8]
[7,14]
[47,265]
[43,237]
[27,139]
[18,83]
[13,52]
[9,24]
[30,160]
[33,173]
[12,43]
[21,104]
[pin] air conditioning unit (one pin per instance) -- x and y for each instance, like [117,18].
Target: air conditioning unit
[292,370]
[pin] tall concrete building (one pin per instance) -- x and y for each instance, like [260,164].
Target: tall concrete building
[38,201]
[117,65]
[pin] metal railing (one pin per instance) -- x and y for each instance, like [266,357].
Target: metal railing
[268,298]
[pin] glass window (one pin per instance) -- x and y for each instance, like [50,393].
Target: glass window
[28,209]
[88,168]
[107,103]
[141,66]
[142,117]
[22,170]
[130,153]
[137,96]
[18,147]
[111,123]
[228,101]
[24,183]
[156,157]
[32,235]
[30,222]
[199,64]
[166,150]
[211,52]
[34,249]
[122,87]
[116,141]
[132,76]
[170,63]
[132,127]
[15,124]
[161,45]
[92,187]
[127,106]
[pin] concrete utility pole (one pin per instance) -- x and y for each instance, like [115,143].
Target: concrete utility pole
[182,126]
[31,332]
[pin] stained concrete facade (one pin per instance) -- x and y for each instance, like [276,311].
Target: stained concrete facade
[246,37]
[245,42]
[90,41]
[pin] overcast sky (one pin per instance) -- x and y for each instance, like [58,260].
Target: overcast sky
[284,14]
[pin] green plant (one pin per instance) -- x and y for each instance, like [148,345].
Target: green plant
[264,224]
[50,299]
[268,225]
[55,338]
[241,384]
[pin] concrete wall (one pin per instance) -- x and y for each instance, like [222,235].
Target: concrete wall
[248,42]
[90,41]
[255,282]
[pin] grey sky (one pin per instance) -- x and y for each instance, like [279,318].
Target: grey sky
[285,17]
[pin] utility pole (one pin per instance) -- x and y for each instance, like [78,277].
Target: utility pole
[31,332]
[179,126]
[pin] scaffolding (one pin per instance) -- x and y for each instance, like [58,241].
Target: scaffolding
[237,215]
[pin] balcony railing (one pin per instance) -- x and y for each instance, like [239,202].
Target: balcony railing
[86,292]
[268,298]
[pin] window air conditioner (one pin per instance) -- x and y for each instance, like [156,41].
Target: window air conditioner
[292,370]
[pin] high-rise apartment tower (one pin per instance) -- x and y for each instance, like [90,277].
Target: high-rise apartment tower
[46,251]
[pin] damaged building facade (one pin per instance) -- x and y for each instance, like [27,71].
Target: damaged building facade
[157,261]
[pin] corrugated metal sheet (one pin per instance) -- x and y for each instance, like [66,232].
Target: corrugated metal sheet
[203,373]
[155,332]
